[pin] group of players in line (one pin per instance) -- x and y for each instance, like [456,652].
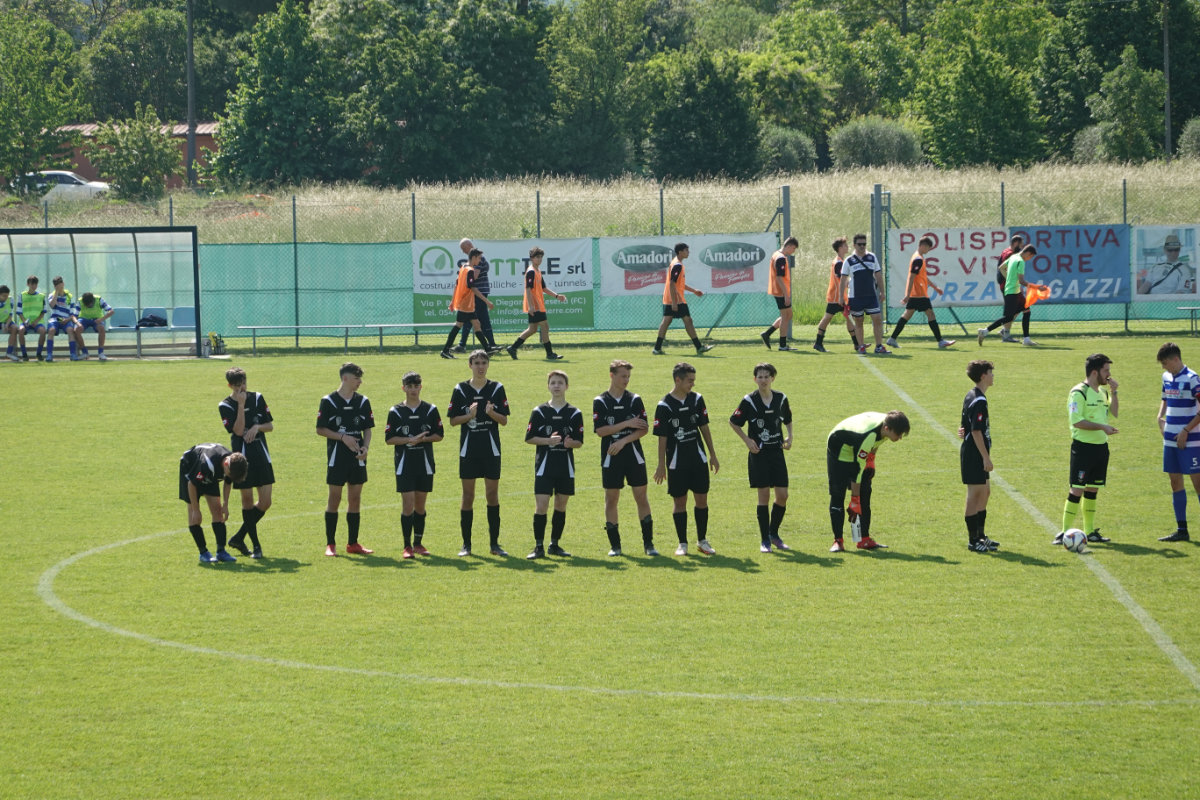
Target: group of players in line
[46,316]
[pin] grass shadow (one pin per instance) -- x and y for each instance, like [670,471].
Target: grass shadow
[1021,558]
[462,564]
[677,563]
[522,564]
[266,564]
[899,555]
[377,561]
[1124,548]
[807,558]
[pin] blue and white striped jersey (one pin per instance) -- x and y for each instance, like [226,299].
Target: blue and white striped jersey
[1181,393]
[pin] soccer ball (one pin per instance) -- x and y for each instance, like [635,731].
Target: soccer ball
[1074,540]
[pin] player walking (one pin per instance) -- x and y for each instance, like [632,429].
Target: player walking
[674,306]
[779,287]
[534,303]
[916,295]
[835,298]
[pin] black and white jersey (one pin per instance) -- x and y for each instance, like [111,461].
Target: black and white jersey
[608,410]
[479,436]
[348,417]
[404,421]
[764,421]
[204,464]
[545,421]
[680,422]
[254,412]
[975,417]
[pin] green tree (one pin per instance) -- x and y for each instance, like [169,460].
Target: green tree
[1064,73]
[1128,109]
[142,57]
[37,96]
[282,124]
[136,155]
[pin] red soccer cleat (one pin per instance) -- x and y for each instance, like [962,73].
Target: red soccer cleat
[869,544]
[408,553]
[838,547]
[358,549]
[420,550]
[330,550]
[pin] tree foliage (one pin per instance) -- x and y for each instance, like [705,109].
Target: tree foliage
[1128,110]
[874,142]
[135,155]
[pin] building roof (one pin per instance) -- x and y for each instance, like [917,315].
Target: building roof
[88,129]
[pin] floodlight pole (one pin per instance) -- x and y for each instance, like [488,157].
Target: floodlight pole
[1167,79]
[191,101]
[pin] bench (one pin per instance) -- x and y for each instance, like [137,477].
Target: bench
[1192,311]
[125,319]
[412,327]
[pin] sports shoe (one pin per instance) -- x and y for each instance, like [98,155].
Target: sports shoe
[616,551]
[891,342]
[358,549]
[407,553]
[992,544]
[446,354]
[554,357]
[497,550]
[1095,538]
[14,358]
[980,336]
[556,550]
[704,348]
[1177,536]
[682,549]
[49,359]
[1005,336]
[838,546]
[458,348]
[239,544]
[778,543]
[257,553]
[464,552]
[224,556]
[766,337]
[651,551]
[1057,540]
[861,349]
[102,357]
[657,352]
[979,546]
[783,348]
[944,343]
[1028,342]
[706,548]
[420,550]
[869,544]
[880,350]
[538,552]
[820,348]
[207,558]
[765,547]
[77,357]
[512,351]
[330,550]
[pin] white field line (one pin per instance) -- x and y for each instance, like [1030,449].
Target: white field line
[1148,623]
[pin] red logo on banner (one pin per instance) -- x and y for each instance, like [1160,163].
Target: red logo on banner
[728,277]
[640,280]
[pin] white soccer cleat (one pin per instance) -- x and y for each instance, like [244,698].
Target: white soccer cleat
[682,549]
[706,548]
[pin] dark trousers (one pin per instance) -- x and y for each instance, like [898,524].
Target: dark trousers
[485,323]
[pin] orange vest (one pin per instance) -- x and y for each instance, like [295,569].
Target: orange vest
[779,285]
[464,295]
[920,281]
[535,292]
[834,293]
[679,283]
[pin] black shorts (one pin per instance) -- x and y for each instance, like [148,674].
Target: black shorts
[479,467]
[413,475]
[259,470]
[680,312]
[970,463]
[536,317]
[692,479]
[554,482]
[782,302]
[1013,304]
[345,469]
[464,316]
[623,468]
[918,304]
[1089,464]
[835,308]
[867,305]
[767,468]
[211,489]
[841,473]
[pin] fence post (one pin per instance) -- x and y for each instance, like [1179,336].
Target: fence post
[413,196]
[170,211]
[787,211]
[1124,201]
[539,213]
[661,220]
[45,213]
[877,217]
[1002,224]
[295,274]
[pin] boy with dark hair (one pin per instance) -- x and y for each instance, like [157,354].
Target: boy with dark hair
[619,419]
[1013,248]
[1014,294]
[203,469]
[477,407]
[534,303]
[31,311]
[975,455]
[862,284]
[412,427]
[463,303]
[916,295]
[766,413]
[1091,405]
[92,312]
[556,428]
[680,423]
[247,420]
[779,287]
[674,306]
[835,298]
[345,420]
[8,322]
[850,464]
[1178,419]
[61,320]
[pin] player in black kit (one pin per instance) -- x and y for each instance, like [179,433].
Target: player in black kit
[247,419]
[479,406]
[765,413]
[680,422]
[345,420]
[412,427]
[619,419]
[556,428]
[975,455]
[208,470]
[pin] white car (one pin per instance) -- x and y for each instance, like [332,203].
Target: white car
[59,184]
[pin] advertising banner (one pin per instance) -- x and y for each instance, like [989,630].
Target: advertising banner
[1080,263]
[567,269]
[717,263]
[1164,262]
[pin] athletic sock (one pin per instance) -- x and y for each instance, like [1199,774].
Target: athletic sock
[896,331]
[558,523]
[418,528]
[764,524]
[701,515]
[783,340]
[450,338]
[493,515]
[258,515]
[658,343]
[613,531]
[981,523]
[352,519]
[854,338]
[466,518]
[519,343]
[72,348]
[1025,324]
[539,529]
[837,515]
[1179,501]
[820,336]
[219,534]
[198,537]
[648,531]
[406,529]
[680,518]
[549,347]
[937,329]
[1069,511]
[777,512]
[696,343]
[769,332]
[1089,512]
[49,349]
[330,527]
[972,533]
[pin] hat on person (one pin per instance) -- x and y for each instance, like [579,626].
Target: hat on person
[1171,242]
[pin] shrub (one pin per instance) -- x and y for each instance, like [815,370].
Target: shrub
[873,142]
[136,155]
[787,150]
[1189,139]
[1088,146]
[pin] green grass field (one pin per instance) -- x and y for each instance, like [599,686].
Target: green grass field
[922,671]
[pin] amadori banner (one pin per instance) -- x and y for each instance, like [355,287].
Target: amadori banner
[1080,263]
[728,263]
[567,270]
